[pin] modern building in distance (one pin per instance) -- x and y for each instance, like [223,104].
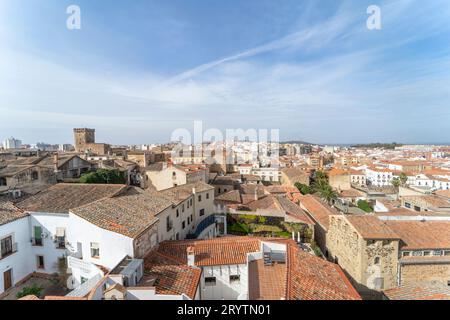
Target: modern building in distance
[12,143]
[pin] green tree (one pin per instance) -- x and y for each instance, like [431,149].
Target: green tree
[303,188]
[103,176]
[33,290]
[328,194]
[365,206]
[320,181]
[396,183]
[403,178]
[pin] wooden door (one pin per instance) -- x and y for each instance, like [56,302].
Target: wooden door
[7,279]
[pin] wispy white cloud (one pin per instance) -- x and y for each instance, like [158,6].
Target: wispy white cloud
[343,83]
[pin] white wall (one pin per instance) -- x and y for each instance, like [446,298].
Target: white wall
[223,288]
[48,222]
[19,262]
[113,246]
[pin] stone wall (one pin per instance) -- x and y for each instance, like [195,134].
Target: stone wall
[371,264]
[412,273]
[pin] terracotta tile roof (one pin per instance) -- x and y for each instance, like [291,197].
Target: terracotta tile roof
[171,276]
[64,298]
[181,193]
[443,193]
[9,212]
[233,196]
[62,197]
[431,200]
[351,193]
[337,172]
[419,291]
[30,297]
[422,234]
[130,212]
[313,278]
[294,211]
[304,277]
[318,210]
[12,170]
[370,227]
[295,174]
[268,202]
[281,189]
[213,252]
[267,282]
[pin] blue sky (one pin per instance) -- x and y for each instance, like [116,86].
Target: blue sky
[137,70]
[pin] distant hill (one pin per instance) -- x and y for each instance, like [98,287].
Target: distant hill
[295,142]
[378,145]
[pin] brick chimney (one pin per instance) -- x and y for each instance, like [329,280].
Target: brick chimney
[190,256]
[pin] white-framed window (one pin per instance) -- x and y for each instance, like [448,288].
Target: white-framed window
[406,253]
[95,250]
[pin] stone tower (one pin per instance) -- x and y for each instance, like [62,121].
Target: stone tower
[83,137]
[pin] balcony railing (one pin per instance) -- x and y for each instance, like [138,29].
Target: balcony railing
[8,252]
[37,242]
[202,226]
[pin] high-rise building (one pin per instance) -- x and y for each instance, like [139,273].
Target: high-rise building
[12,143]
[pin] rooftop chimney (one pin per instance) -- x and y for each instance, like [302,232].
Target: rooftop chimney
[190,256]
[55,162]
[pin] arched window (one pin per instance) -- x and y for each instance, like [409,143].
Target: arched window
[377,260]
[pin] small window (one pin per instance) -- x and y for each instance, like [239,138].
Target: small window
[406,253]
[95,250]
[437,253]
[417,253]
[199,198]
[178,213]
[202,212]
[40,262]
[34,175]
[376,260]
[427,253]
[235,278]
[207,196]
[190,201]
[210,281]
[182,208]
[183,224]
